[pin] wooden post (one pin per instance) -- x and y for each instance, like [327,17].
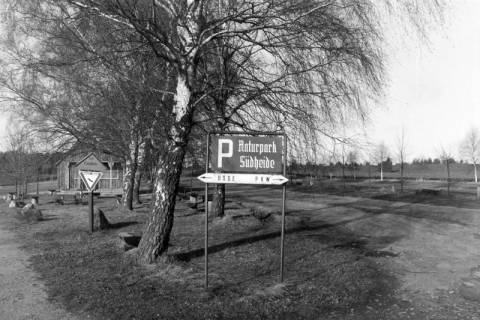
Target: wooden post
[38,180]
[90,214]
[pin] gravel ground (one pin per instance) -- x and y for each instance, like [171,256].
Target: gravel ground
[22,294]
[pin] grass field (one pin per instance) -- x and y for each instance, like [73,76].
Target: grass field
[359,252]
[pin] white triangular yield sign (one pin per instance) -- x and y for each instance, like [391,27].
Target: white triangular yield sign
[90,178]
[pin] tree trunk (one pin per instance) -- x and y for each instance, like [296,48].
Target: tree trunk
[381,171]
[25,187]
[156,235]
[158,227]
[401,177]
[136,187]
[138,173]
[448,177]
[475,172]
[219,200]
[129,175]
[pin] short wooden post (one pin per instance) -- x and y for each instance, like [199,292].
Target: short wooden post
[90,214]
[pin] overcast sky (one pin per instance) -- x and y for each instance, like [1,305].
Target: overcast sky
[432,92]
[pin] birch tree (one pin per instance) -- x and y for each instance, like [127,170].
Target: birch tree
[304,61]
[401,155]
[446,158]
[470,149]
[19,159]
[381,154]
[89,86]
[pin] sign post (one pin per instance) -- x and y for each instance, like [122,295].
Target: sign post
[90,179]
[246,158]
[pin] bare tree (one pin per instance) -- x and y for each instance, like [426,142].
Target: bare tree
[352,158]
[447,159]
[20,161]
[470,149]
[401,155]
[304,61]
[380,155]
[88,86]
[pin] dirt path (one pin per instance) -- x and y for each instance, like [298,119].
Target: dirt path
[22,294]
[431,248]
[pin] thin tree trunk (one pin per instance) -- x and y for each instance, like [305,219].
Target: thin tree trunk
[475,172]
[448,177]
[401,177]
[136,187]
[138,173]
[129,175]
[381,171]
[219,200]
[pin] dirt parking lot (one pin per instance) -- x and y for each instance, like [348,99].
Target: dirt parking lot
[347,257]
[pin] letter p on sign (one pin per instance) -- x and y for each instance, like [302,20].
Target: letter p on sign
[221,153]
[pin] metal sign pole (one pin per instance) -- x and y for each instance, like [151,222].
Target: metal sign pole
[229,174]
[206,214]
[284,191]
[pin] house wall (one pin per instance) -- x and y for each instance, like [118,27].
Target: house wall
[69,179]
[62,175]
[117,176]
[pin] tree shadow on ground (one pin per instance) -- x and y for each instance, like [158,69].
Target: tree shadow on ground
[118,225]
[302,227]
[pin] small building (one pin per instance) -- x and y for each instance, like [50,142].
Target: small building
[68,171]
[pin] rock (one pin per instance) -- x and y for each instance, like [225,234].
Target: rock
[100,221]
[470,290]
[31,213]
[262,213]
[128,240]
[476,274]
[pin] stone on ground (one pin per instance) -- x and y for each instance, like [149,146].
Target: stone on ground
[470,287]
[31,212]
[128,240]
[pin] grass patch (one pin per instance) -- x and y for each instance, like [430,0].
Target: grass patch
[91,274]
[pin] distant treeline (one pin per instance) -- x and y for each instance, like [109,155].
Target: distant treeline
[420,169]
[16,167]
